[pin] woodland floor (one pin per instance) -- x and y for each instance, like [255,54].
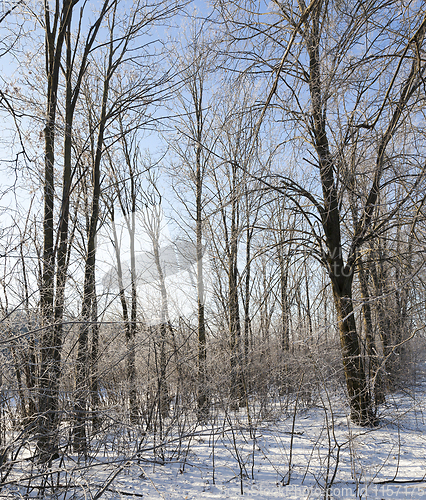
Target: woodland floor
[316,453]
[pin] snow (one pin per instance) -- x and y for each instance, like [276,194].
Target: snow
[313,453]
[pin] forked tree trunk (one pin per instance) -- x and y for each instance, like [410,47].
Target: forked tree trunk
[48,382]
[341,275]
[58,30]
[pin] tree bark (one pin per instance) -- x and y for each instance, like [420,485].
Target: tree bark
[48,382]
[375,374]
[82,379]
[237,382]
[341,275]
[285,316]
[202,391]
[163,389]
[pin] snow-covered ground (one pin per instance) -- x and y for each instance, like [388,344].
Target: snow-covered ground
[311,454]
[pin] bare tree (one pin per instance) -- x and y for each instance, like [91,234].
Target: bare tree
[56,26]
[317,83]
[193,147]
[122,34]
[152,220]
[235,157]
[127,190]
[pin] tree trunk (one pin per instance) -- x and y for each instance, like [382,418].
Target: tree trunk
[132,330]
[247,297]
[202,390]
[163,390]
[285,318]
[237,382]
[94,370]
[48,383]
[89,290]
[341,275]
[359,396]
[375,374]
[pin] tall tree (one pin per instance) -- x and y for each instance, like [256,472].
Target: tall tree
[234,156]
[151,216]
[193,147]
[127,186]
[56,24]
[65,56]
[349,104]
[123,31]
